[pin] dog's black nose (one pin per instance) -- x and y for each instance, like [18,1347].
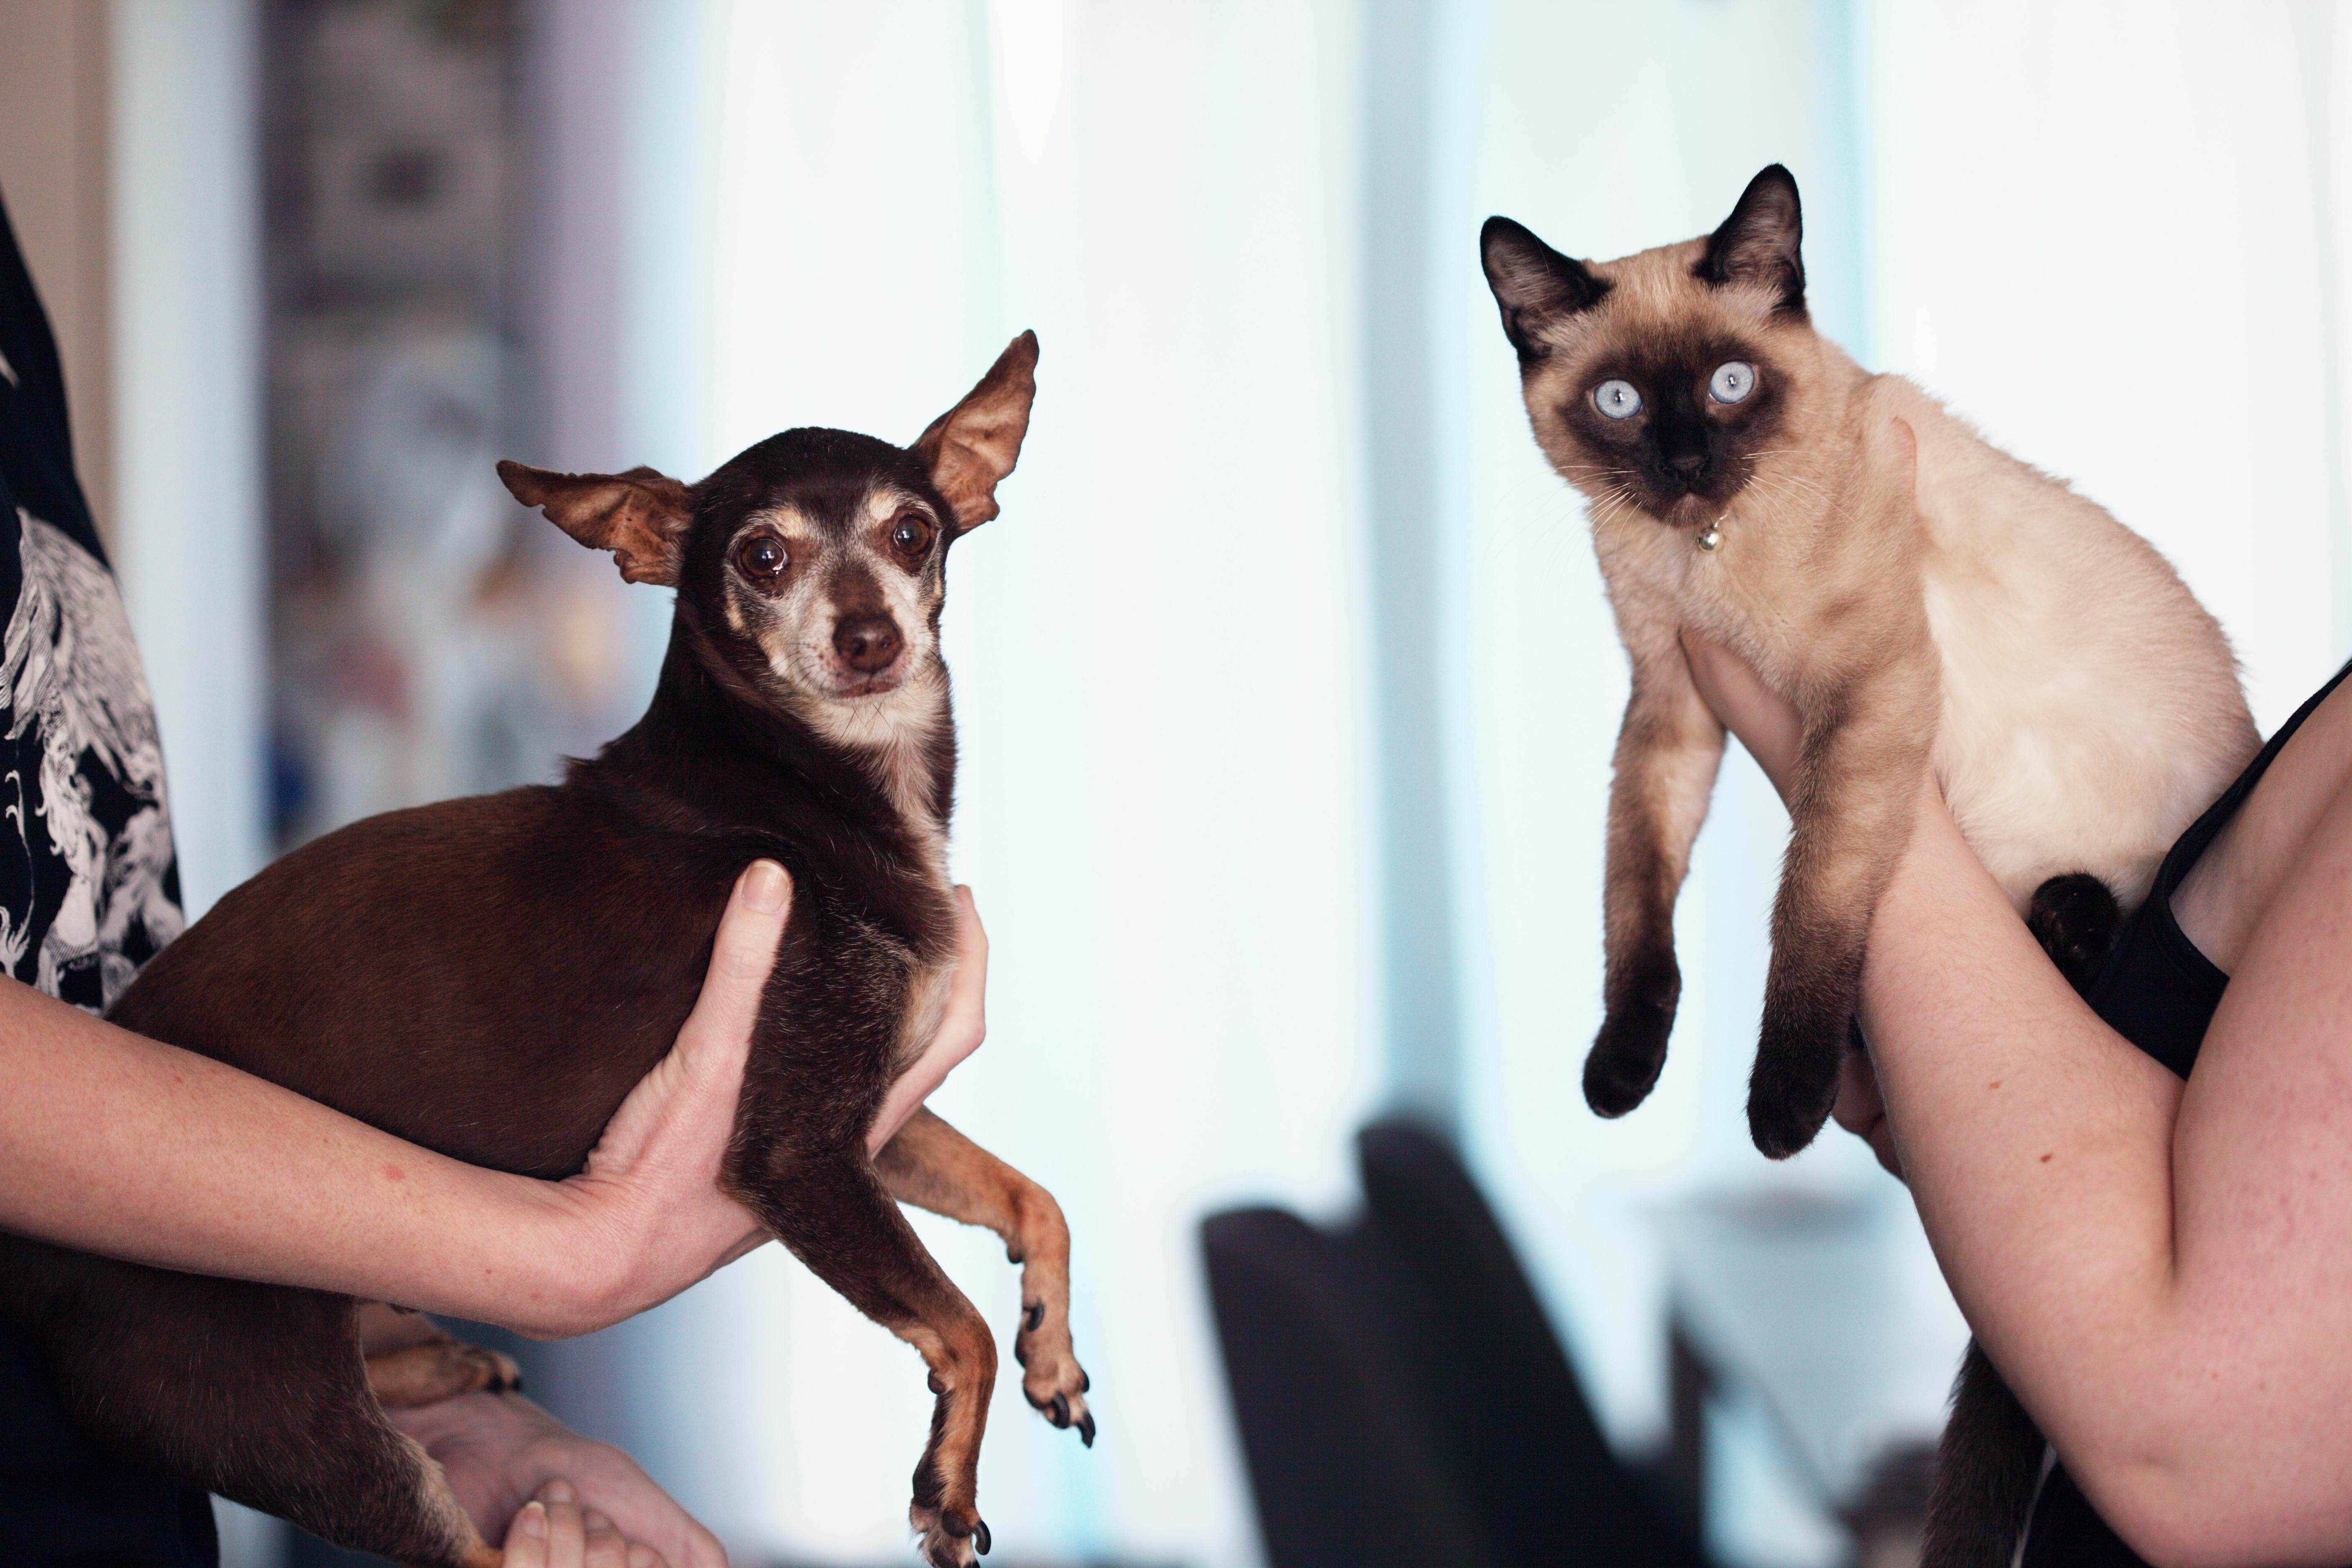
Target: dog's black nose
[867,643]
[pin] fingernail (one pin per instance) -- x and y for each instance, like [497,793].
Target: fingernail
[593,1521]
[534,1520]
[559,1491]
[764,886]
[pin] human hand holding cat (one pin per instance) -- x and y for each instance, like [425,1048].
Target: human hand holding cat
[1766,722]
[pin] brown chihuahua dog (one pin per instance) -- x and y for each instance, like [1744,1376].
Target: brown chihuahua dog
[488,977]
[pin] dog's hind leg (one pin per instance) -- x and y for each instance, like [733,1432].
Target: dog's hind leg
[413,1361]
[255,1391]
[935,1167]
[831,1210]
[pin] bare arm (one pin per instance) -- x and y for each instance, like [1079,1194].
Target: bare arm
[117,1144]
[2163,1272]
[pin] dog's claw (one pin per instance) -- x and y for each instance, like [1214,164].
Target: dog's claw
[1086,1428]
[1085,1383]
[1059,1414]
[1036,1319]
[980,1541]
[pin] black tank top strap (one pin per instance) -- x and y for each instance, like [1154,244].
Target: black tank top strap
[2156,989]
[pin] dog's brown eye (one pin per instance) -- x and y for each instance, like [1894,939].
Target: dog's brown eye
[761,557]
[912,536]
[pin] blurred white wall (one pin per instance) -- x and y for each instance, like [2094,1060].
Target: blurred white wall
[186,532]
[2109,234]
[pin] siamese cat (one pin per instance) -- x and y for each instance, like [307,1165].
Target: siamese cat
[1750,483]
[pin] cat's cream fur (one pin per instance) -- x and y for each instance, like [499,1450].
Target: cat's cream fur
[1977,617]
[2078,704]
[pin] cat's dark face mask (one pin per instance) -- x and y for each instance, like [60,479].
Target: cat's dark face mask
[1675,427]
[1661,395]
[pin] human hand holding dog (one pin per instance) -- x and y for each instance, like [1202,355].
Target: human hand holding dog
[649,1201]
[651,1185]
[126,1146]
[595,1509]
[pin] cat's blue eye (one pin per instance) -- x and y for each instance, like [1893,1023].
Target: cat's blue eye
[1732,380]
[1617,399]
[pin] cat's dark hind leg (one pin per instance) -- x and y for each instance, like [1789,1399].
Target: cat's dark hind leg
[1987,1468]
[2075,918]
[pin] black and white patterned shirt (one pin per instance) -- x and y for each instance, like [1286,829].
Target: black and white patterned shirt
[89,892]
[88,887]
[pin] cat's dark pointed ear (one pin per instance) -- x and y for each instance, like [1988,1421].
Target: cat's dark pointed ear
[972,447]
[1763,242]
[641,516]
[1534,285]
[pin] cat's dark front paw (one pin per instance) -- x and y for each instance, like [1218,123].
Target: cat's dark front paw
[2075,917]
[1630,1048]
[1795,1082]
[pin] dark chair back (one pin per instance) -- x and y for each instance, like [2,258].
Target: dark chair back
[1401,1394]
[1345,1471]
[1494,1377]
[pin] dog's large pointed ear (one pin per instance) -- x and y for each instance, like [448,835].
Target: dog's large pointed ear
[1534,285]
[971,447]
[640,516]
[1763,242]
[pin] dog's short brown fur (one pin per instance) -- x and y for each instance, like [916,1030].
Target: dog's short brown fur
[490,977]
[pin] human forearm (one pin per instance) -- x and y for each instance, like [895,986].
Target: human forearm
[113,1144]
[121,1146]
[2036,1141]
[2163,1271]
[2157,1269]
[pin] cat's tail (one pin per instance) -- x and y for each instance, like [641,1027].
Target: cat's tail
[1987,1467]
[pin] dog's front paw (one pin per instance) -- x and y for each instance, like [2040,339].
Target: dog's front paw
[1051,1381]
[1632,1045]
[951,1537]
